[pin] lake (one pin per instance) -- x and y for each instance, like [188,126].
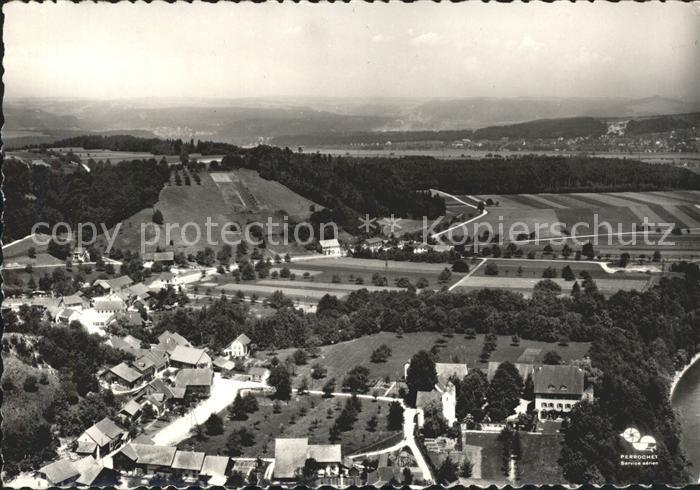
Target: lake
[686,403]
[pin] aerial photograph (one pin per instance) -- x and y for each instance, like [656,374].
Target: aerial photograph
[350,244]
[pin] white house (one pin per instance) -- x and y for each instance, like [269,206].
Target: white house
[80,255]
[330,247]
[557,389]
[445,398]
[239,347]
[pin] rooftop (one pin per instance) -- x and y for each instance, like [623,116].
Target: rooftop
[125,372]
[189,355]
[150,454]
[188,460]
[558,379]
[193,377]
[59,471]
[104,431]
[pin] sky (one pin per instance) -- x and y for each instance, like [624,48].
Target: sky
[424,49]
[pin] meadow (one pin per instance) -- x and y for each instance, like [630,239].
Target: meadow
[342,357]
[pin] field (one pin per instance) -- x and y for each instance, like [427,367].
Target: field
[342,357]
[222,197]
[303,416]
[113,156]
[538,464]
[335,276]
[622,208]
[521,275]
[491,456]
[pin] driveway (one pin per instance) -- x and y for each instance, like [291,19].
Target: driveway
[223,392]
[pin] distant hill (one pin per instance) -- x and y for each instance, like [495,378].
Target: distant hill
[662,124]
[251,121]
[546,128]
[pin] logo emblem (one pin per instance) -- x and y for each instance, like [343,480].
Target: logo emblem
[638,441]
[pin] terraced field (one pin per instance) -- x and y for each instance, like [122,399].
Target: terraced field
[626,208]
[580,214]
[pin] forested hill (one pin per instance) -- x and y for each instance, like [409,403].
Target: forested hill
[107,194]
[572,127]
[347,188]
[534,174]
[314,176]
[157,146]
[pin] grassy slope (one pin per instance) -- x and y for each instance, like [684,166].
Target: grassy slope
[342,357]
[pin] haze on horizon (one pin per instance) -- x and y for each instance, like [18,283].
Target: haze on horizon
[118,51]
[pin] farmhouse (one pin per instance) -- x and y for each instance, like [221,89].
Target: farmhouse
[188,464]
[67,315]
[239,347]
[110,306]
[215,469]
[524,369]
[145,459]
[60,473]
[291,455]
[80,255]
[165,258]
[163,280]
[94,474]
[169,340]
[130,411]
[184,357]
[124,374]
[557,389]
[74,302]
[446,370]
[105,434]
[196,382]
[330,247]
[138,290]
[128,343]
[224,365]
[373,244]
[113,285]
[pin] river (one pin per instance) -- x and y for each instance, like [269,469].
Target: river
[686,402]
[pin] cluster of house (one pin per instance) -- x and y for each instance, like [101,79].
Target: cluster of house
[330,468]
[140,459]
[170,463]
[378,244]
[333,248]
[557,389]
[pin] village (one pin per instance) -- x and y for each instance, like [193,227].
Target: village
[173,389]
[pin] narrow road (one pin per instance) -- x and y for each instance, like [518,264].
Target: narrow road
[223,392]
[472,271]
[445,194]
[409,425]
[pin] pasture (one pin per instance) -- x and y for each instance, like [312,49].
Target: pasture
[342,357]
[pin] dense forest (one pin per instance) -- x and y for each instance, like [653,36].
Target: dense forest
[157,146]
[639,340]
[348,188]
[662,124]
[107,194]
[371,137]
[533,174]
[573,127]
